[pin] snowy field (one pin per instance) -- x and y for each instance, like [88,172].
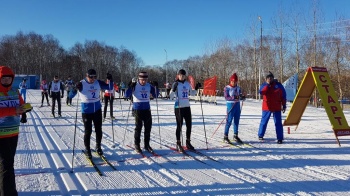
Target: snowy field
[309,162]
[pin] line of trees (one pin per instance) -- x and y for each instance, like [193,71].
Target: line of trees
[288,48]
[42,55]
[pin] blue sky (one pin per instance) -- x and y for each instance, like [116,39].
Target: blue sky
[183,27]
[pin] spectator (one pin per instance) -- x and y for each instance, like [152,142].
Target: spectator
[274,100]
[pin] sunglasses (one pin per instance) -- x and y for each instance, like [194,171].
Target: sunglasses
[92,76]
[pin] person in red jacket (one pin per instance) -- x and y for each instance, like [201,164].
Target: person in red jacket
[108,98]
[11,107]
[274,101]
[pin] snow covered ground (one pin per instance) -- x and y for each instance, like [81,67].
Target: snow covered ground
[309,162]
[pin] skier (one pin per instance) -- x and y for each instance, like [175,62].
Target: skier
[182,89]
[23,89]
[44,88]
[55,87]
[274,98]
[69,84]
[12,106]
[89,91]
[122,88]
[108,98]
[168,88]
[139,92]
[232,93]
[198,86]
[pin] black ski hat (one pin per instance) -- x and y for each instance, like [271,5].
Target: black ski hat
[182,72]
[143,75]
[91,72]
[270,75]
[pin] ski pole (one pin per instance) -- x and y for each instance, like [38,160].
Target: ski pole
[242,105]
[205,132]
[111,108]
[127,120]
[75,131]
[223,120]
[121,106]
[160,141]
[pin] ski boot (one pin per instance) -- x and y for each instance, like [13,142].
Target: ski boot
[179,147]
[188,145]
[137,148]
[149,148]
[99,150]
[279,141]
[88,154]
[236,138]
[226,140]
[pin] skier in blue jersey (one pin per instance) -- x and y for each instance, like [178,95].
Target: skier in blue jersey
[23,89]
[69,84]
[89,91]
[140,92]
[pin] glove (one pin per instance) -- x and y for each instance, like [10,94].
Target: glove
[242,97]
[109,76]
[133,85]
[155,83]
[236,96]
[175,86]
[284,109]
[79,86]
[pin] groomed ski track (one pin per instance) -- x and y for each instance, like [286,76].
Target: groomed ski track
[297,167]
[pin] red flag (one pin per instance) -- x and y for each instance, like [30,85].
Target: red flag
[191,80]
[210,86]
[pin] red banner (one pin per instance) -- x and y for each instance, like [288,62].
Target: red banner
[210,86]
[191,80]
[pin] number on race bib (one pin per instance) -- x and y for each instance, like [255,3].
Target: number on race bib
[144,96]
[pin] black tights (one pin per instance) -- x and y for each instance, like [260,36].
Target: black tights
[183,113]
